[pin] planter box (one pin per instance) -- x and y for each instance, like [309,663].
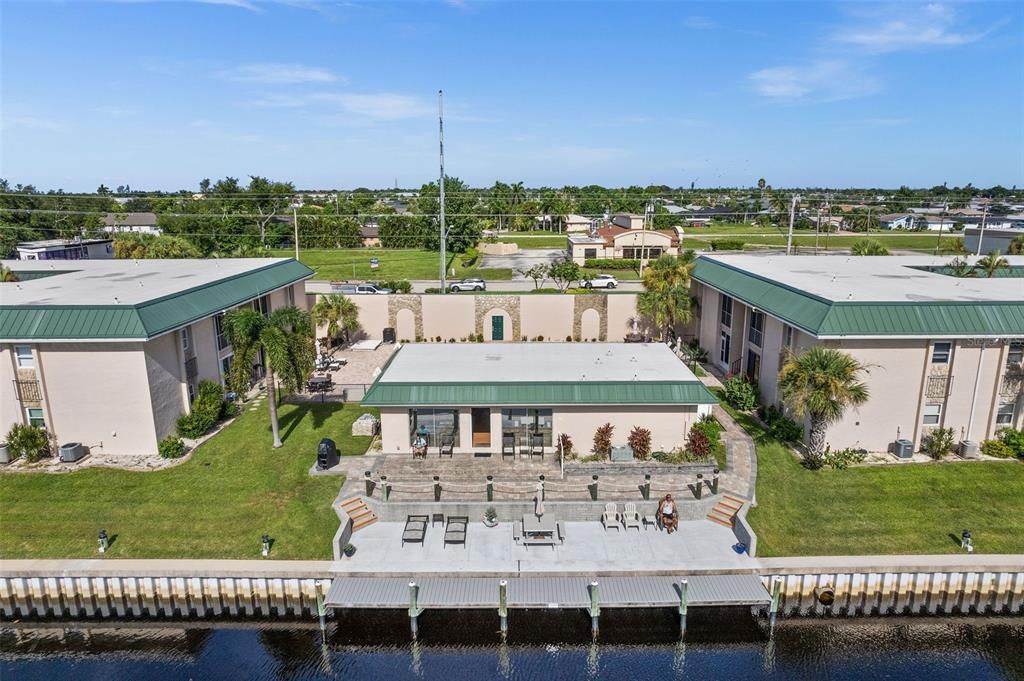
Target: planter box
[652,468]
[622,453]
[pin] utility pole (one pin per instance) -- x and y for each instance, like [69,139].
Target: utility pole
[792,217]
[981,234]
[440,186]
[295,220]
[648,214]
[942,221]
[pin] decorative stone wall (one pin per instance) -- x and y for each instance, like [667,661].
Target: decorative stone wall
[590,301]
[507,304]
[414,303]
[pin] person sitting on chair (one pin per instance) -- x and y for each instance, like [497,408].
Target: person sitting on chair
[419,445]
[667,514]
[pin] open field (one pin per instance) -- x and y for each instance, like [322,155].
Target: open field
[546,241]
[909,508]
[342,264]
[915,241]
[217,505]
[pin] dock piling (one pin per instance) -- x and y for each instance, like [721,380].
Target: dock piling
[437,488]
[414,609]
[367,478]
[490,488]
[776,600]
[645,491]
[595,609]
[714,481]
[385,487]
[684,587]
[698,490]
[503,606]
[321,612]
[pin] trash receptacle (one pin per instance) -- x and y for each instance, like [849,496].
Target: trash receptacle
[326,455]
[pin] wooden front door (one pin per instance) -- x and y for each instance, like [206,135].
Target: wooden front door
[481,427]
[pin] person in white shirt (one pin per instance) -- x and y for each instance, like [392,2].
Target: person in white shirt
[667,514]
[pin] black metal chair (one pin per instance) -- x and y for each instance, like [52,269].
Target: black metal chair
[536,445]
[508,445]
[447,447]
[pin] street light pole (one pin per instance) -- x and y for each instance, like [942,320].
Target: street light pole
[981,234]
[792,216]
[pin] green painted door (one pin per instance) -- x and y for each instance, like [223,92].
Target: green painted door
[497,327]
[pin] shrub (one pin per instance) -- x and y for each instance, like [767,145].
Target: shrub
[1014,439]
[396,285]
[28,441]
[603,440]
[432,289]
[698,444]
[208,408]
[640,442]
[609,264]
[727,245]
[708,425]
[568,339]
[844,458]
[539,338]
[996,448]
[937,443]
[740,392]
[568,449]
[779,426]
[171,448]
[479,338]
[813,461]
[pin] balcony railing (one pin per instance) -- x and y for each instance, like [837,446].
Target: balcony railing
[27,391]
[937,387]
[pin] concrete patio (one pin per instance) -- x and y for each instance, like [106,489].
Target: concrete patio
[588,549]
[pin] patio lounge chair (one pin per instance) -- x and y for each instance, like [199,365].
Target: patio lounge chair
[517,531]
[630,517]
[508,445]
[536,446]
[447,447]
[415,529]
[611,516]
[455,532]
[561,532]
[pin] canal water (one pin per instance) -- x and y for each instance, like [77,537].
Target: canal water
[466,647]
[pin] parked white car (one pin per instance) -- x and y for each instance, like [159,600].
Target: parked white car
[468,285]
[601,281]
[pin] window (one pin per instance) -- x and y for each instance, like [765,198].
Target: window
[757,328]
[289,295]
[630,253]
[589,253]
[26,360]
[1015,354]
[225,367]
[525,422]
[940,352]
[1004,416]
[262,305]
[787,336]
[34,416]
[753,365]
[726,312]
[435,423]
[723,349]
[932,414]
[186,339]
[218,323]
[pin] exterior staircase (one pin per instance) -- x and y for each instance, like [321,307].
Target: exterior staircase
[359,512]
[724,513]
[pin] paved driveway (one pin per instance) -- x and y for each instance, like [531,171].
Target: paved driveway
[523,260]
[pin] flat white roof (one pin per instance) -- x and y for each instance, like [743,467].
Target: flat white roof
[888,278]
[118,282]
[534,362]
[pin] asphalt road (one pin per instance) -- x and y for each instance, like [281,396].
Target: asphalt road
[314,286]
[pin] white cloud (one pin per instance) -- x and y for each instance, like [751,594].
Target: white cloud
[379,106]
[699,23]
[278,74]
[907,28]
[823,80]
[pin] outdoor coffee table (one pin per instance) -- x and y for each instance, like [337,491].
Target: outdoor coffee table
[539,530]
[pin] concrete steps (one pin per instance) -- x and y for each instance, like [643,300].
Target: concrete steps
[724,513]
[359,512]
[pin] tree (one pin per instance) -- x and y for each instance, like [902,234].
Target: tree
[959,267]
[665,300]
[991,264]
[1017,246]
[461,224]
[538,272]
[821,383]
[7,275]
[868,247]
[338,313]
[564,272]
[286,339]
[143,246]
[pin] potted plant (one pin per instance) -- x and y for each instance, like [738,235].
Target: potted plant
[349,550]
[490,517]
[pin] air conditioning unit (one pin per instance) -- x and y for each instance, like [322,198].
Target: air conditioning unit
[968,449]
[71,452]
[902,449]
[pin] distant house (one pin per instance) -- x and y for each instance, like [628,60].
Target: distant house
[142,223]
[703,215]
[625,239]
[369,235]
[577,223]
[896,221]
[66,249]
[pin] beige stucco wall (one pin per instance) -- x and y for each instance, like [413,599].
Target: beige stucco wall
[449,316]
[163,370]
[548,316]
[621,311]
[204,346]
[99,395]
[373,314]
[10,409]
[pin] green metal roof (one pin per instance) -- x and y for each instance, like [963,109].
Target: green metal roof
[147,319]
[387,394]
[825,318]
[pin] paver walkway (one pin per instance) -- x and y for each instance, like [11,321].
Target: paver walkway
[740,478]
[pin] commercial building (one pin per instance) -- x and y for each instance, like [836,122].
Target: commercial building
[66,249]
[110,353]
[486,397]
[625,238]
[940,350]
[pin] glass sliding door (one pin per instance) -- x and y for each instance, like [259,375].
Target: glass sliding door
[433,424]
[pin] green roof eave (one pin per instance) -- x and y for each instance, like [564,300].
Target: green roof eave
[149,319]
[863,319]
[388,394]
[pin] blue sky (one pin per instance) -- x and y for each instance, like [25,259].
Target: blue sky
[343,94]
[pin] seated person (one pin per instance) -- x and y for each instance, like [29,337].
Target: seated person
[667,514]
[419,445]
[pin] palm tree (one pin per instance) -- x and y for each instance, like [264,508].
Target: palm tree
[821,383]
[286,339]
[666,296]
[992,263]
[959,267]
[868,247]
[338,313]
[1017,246]
[7,275]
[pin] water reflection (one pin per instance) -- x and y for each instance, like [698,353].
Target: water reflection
[468,646]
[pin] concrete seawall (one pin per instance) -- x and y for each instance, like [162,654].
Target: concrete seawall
[869,585]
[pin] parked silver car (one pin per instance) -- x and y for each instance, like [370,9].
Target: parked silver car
[358,289]
[468,285]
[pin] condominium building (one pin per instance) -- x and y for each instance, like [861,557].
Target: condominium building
[940,350]
[110,353]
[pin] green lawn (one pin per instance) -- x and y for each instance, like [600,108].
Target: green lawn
[217,505]
[903,241]
[393,263]
[910,508]
[547,241]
